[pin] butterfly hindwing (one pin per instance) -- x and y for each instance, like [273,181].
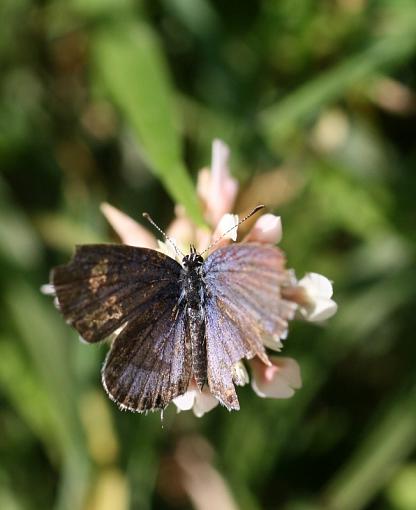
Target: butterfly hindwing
[149,363]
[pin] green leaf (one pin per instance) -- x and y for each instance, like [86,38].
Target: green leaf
[100,7]
[42,334]
[402,490]
[391,440]
[18,241]
[22,386]
[130,64]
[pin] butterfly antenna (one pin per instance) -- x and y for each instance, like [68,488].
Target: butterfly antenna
[177,250]
[249,215]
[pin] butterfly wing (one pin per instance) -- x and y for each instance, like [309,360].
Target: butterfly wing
[149,363]
[244,309]
[107,287]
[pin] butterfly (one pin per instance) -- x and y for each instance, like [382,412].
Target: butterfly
[174,322]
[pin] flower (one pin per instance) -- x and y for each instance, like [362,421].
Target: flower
[240,375]
[200,402]
[311,295]
[216,188]
[279,380]
[129,231]
[318,304]
[203,401]
[267,229]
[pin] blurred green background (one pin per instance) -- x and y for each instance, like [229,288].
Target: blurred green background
[119,100]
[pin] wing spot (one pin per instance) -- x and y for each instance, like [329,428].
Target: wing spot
[98,276]
[114,310]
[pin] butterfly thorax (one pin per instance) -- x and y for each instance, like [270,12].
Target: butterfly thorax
[192,279]
[193,292]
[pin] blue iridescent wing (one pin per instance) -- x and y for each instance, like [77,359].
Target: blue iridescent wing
[244,309]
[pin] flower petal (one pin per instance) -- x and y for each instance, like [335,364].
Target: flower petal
[225,231]
[203,186]
[168,249]
[204,402]
[289,370]
[129,231]
[182,229]
[267,229]
[186,401]
[199,401]
[219,163]
[48,289]
[317,292]
[240,374]
[316,285]
[273,342]
[324,309]
[227,227]
[217,188]
[278,380]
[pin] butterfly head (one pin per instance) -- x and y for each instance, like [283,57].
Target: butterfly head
[193,260]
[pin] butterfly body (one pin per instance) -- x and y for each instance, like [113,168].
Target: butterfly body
[174,323]
[194,294]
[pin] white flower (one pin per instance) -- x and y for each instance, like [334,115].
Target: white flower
[240,374]
[129,231]
[279,380]
[267,229]
[216,188]
[200,402]
[48,289]
[217,191]
[318,304]
[227,227]
[273,342]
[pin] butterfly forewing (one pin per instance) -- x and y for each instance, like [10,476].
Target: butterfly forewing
[104,286]
[244,307]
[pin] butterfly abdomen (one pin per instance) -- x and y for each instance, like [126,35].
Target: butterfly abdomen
[196,331]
